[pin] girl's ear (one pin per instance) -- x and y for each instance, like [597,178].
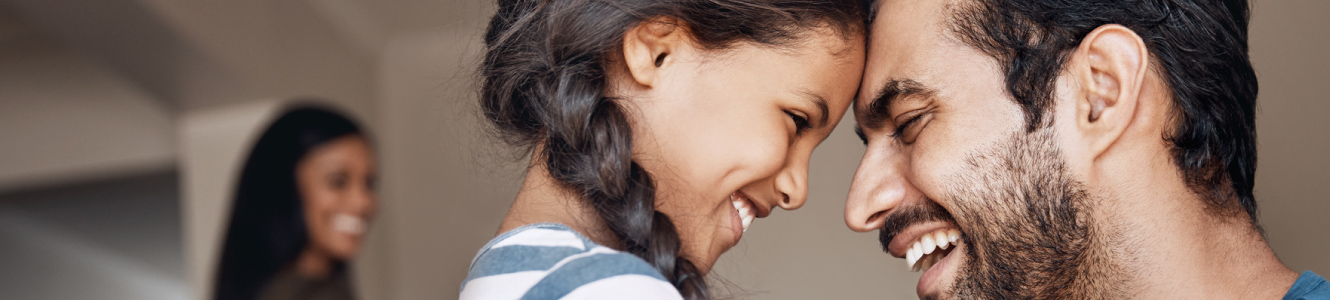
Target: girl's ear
[650,47]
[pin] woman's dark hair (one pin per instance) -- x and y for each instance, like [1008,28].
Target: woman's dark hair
[266,231]
[1200,48]
[544,83]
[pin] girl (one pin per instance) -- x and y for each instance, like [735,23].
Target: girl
[658,131]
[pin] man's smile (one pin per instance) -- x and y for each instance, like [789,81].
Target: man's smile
[930,248]
[925,235]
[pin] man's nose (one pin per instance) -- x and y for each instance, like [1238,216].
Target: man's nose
[879,186]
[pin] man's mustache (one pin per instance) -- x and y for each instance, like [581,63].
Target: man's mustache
[905,216]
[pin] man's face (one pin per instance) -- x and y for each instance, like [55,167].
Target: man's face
[954,182]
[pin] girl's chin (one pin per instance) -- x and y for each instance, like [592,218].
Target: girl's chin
[705,251]
[704,259]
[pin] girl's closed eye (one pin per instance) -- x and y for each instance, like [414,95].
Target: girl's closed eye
[801,122]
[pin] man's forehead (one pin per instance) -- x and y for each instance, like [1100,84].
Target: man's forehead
[903,33]
[910,14]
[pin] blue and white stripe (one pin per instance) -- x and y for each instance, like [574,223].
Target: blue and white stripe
[551,261]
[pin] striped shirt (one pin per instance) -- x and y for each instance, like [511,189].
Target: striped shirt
[551,261]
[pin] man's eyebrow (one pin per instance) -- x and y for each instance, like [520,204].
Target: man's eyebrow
[824,111]
[892,91]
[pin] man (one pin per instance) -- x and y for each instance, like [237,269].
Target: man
[1072,149]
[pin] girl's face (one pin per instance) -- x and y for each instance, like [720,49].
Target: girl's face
[336,184]
[728,134]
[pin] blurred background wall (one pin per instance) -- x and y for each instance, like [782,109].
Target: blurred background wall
[123,122]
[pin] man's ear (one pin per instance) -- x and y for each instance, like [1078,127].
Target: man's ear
[1110,66]
[649,46]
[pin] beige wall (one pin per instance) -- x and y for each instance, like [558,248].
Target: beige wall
[1288,47]
[443,195]
[65,118]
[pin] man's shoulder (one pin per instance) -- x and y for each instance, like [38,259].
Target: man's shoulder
[1309,287]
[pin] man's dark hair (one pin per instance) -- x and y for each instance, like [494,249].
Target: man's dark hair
[1198,47]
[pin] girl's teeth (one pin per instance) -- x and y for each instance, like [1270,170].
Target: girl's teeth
[745,211]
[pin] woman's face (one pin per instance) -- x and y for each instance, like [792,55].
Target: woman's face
[336,184]
[728,134]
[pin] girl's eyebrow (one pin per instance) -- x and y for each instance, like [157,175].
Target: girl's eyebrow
[820,102]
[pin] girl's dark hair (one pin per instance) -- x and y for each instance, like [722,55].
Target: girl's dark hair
[266,231]
[543,87]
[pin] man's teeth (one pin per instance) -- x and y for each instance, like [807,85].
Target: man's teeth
[920,255]
[745,210]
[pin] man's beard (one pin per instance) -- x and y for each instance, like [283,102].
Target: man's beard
[1026,225]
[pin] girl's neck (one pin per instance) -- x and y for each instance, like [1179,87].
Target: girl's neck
[545,200]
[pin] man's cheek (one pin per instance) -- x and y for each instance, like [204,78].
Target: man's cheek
[929,173]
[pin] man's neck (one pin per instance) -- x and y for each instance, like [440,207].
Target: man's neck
[1181,250]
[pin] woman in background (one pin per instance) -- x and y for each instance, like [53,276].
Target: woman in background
[658,131]
[303,202]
